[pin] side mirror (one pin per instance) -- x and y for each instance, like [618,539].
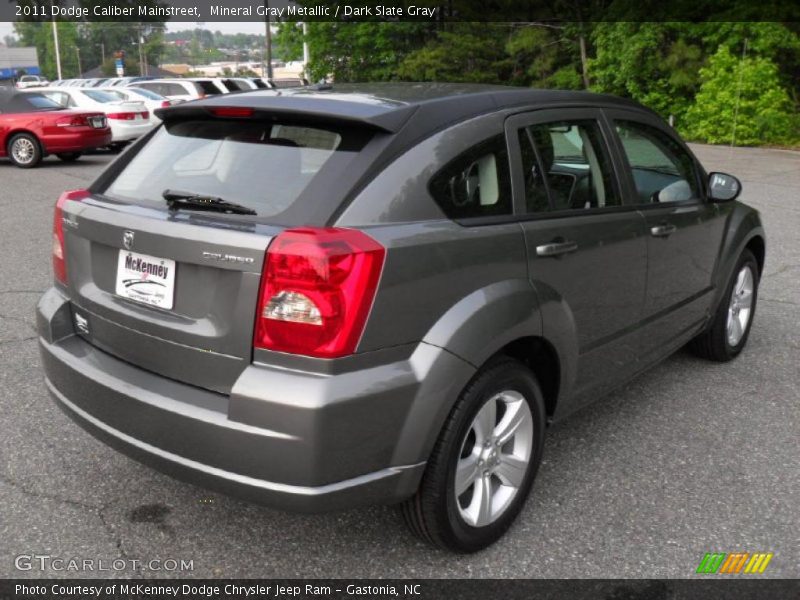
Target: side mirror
[723,187]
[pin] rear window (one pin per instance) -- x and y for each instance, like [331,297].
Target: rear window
[100,96]
[145,93]
[261,165]
[207,87]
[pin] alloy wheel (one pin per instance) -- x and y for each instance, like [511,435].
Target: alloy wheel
[494,458]
[23,150]
[740,307]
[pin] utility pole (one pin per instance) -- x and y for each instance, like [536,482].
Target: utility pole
[268,25]
[80,69]
[55,43]
[141,52]
[306,54]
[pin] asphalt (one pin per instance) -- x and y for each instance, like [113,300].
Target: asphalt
[690,457]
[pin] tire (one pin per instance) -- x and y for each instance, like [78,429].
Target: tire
[24,150]
[69,156]
[718,343]
[439,516]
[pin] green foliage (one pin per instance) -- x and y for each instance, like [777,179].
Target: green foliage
[288,42]
[654,63]
[745,91]
[361,51]
[468,53]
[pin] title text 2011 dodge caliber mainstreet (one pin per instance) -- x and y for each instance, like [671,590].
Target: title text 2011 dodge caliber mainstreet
[322,298]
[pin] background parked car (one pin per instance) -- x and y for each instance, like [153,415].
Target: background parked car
[151,100]
[128,120]
[33,126]
[29,81]
[179,89]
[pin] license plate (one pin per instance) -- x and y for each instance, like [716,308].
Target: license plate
[146,279]
[97,122]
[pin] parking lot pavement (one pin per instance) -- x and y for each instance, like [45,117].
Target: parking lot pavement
[688,458]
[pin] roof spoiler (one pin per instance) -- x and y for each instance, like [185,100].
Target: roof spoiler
[387,117]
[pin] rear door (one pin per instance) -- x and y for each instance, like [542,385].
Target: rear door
[587,252]
[684,231]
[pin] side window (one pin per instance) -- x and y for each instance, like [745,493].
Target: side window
[662,170]
[475,184]
[568,160]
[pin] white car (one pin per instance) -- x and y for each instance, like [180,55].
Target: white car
[151,100]
[178,89]
[29,81]
[128,120]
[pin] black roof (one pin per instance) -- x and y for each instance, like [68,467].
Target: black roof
[13,100]
[389,106]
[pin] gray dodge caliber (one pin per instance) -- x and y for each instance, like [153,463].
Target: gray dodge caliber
[323,298]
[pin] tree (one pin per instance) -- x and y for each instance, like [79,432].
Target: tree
[362,51]
[288,42]
[467,53]
[741,101]
[654,63]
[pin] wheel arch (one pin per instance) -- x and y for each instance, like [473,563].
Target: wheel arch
[757,246]
[744,232]
[541,357]
[15,132]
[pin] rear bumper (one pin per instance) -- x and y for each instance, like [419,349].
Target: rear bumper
[78,141]
[290,439]
[125,131]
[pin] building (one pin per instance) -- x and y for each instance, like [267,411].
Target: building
[18,61]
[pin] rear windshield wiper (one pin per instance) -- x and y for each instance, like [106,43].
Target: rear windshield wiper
[177,200]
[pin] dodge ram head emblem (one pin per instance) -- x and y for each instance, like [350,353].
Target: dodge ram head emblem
[127,240]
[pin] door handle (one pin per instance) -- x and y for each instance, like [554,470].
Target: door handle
[556,248]
[664,230]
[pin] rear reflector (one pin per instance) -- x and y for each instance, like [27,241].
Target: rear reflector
[317,289]
[59,250]
[232,111]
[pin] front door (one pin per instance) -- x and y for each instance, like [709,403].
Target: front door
[587,252]
[684,231]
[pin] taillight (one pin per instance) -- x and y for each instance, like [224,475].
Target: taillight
[59,254]
[123,116]
[317,289]
[166,104]
[73,121]
[145,114]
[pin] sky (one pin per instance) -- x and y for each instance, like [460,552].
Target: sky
[7,28]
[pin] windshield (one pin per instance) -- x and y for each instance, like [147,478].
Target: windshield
[260,165]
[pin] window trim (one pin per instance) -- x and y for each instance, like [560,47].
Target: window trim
[522,120]
[611,116]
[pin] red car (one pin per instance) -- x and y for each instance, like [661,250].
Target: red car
[32,126]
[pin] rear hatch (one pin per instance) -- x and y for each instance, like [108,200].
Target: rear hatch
[174,290]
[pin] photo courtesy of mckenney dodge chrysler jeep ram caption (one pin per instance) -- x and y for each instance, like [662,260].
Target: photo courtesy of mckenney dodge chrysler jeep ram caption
[322,298]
